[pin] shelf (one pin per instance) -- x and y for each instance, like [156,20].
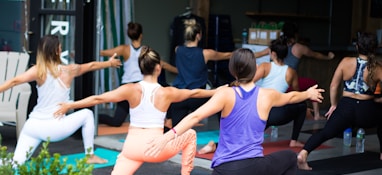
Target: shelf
[285,16]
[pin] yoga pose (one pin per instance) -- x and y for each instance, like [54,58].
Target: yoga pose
[149,102]
[244,112]
[276,75]
[53,86]
[296,51]
[191,62]
[131,71]
[356,107]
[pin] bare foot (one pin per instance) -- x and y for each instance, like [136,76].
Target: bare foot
[319,117]
[301,160]
[295,143]
[93,159]
[209,148]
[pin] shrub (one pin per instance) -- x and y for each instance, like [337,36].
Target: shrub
[43,164]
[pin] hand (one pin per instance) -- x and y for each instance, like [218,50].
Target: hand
[330,55]
[330,112]
[115,62]
[64,108]
[315,94]
[378,100]
[156,145]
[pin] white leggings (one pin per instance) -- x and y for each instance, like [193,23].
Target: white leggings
[37,130]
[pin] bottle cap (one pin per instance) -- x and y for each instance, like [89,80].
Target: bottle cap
[348,130]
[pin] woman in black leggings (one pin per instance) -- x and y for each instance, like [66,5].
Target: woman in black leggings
[356,107]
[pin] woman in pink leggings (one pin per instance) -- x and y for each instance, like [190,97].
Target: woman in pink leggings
[149,102]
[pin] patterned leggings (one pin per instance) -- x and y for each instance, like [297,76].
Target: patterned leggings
[132,155]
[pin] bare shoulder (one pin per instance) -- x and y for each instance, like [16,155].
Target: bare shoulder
[347,61]
[70,68]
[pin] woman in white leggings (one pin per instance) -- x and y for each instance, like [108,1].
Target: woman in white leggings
[53,87]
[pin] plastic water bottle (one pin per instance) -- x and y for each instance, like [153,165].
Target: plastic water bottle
[274,132]
[360,144]
[347,137]
[244,34]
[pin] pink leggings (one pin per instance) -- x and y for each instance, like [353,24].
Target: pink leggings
[132,155]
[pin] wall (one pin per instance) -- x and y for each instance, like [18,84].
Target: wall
[12,26]
[326,34]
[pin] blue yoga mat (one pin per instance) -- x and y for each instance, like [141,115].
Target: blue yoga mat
[108,154]
[203,137]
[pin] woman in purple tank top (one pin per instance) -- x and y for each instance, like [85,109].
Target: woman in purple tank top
[241,151]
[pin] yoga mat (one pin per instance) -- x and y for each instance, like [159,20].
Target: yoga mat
[110,130]
[203,137]
[108,154]
[269,147]
[345,164]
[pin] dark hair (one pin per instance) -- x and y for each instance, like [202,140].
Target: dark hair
[191,29]
[242,66]
[147,60]
[279,46]
[289,30]
[367,44]
[134,30]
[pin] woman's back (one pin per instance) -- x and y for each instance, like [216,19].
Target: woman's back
[193,72]
[52,92]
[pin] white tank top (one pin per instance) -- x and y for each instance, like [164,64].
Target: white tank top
[145,115]
[276,78]
[132,73]
[50,94]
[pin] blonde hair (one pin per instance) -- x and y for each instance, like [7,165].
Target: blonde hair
[48,56]
[191,29]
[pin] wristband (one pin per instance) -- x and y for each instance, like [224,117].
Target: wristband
[175,135]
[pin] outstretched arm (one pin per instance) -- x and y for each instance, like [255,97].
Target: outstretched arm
[28,76]
[306,51]
[95,65]
[210,54]
[168,67]
[262,53]
[117,95]
[281,99]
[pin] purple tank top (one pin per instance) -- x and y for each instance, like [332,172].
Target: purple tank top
[243,132]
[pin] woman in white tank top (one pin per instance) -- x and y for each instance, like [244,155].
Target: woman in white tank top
[53,86]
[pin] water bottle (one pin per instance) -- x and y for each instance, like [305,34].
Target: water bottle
[274,133]
[244,34]
[347,137]
[360,143]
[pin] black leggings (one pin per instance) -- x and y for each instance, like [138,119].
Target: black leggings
[281,162]
[178,111]
[120,115]
[349,113]
[285,114]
